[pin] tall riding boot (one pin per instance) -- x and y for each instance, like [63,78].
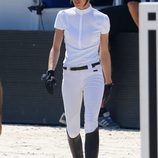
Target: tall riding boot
[92,144]
[76,146]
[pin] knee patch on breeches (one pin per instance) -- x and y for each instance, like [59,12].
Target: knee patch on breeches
[90,124]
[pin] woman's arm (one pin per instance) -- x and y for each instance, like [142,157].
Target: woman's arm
[105,58]
[55,50]
[133,8]
[1,102]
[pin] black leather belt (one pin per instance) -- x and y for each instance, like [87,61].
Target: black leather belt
[81,67]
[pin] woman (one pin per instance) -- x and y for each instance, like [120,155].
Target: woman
[85,70]
[123,18]
[133,7]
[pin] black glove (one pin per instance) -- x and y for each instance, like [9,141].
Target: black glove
[50,81]
[107,93]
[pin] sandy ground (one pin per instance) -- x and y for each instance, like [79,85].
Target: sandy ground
[21,141]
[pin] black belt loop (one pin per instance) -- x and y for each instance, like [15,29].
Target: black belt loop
[81,67]
[95,64]
[65,68]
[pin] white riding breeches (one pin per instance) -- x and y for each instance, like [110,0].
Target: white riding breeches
[87,84]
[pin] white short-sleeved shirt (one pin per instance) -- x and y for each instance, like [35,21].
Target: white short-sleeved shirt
[82,29]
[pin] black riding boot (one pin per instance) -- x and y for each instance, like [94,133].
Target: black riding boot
[92,144]
[76,146]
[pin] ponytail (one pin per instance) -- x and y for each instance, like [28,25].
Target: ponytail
[86,2]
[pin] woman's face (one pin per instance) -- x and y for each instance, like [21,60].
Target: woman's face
[81,4]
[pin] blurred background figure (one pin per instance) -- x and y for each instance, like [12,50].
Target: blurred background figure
[123,18]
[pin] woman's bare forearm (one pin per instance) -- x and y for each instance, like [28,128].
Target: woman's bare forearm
[1,102]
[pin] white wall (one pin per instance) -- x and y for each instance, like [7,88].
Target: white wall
[14,15]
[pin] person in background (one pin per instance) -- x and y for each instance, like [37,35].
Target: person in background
[123,18]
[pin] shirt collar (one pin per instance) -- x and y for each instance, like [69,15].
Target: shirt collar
[84,11]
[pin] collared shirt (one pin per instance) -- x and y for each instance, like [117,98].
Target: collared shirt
[82,30]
